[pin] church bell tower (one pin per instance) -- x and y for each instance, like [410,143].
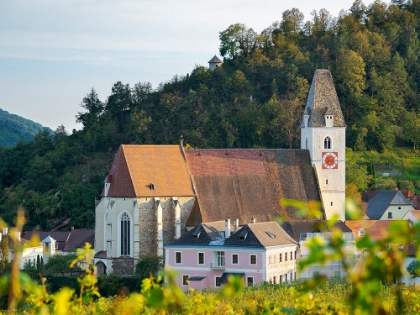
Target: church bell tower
[323,133]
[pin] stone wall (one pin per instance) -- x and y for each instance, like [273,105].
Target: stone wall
[123,266]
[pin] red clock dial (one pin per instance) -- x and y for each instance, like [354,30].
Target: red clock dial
[329,160]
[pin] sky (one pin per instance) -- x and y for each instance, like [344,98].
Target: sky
[53,52]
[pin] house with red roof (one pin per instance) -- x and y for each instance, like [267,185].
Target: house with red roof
[153,194]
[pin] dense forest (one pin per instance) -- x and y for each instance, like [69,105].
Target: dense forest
[255,99]
[14,128]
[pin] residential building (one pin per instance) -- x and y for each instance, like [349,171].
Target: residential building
[30,252]
[208,254]
[302,231]
[378,230]
[388,205]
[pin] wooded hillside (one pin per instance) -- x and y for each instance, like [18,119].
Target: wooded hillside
[255,99]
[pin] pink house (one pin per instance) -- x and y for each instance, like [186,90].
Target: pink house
[205,256]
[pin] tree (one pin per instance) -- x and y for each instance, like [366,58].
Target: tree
[292,21]
[238,40]
[94,109]
[4,253]
[60,264]
[119,104]
[149,265]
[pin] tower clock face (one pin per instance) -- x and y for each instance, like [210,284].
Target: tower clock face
[329,160]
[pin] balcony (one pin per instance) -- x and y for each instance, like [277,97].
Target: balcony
[216,266]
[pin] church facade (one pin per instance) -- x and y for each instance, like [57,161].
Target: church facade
[155,193]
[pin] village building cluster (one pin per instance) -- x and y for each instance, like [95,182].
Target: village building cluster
[212,213]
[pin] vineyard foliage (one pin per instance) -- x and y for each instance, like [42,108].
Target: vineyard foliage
[371,288]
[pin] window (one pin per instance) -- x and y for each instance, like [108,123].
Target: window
[185,279]
[389,215]
[399,208]
[306,143]
[220,258]
[269,260]
[285,277]
[285,256]
[274,280]
[326,181]
[249,281]
[235,259]
[253,259]
[201,258]
[217,282]
[178,257]
[125,235]
[295,275]
[291,255]
[295,255]
[280,259]
[331,203]
[327,143]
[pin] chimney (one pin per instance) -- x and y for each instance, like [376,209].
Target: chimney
[236,224]
[253,220]
[227,228]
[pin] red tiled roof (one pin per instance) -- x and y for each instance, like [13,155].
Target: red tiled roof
[376,229]
[137,166]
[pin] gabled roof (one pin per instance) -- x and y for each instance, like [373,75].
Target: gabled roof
[382,200]
[263,234]
[298,227]
[203,234]
[322,100]
[215,59]
[136,167]
[246,183]
[376,229]
[415,213]
[60,237]
[78,239]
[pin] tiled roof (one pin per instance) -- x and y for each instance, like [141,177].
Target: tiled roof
[322,100]
[101,254]
[376,229]
[202,234]
[78,238]
[416,213]
[215,59]
[382,200]
[297,227]
[263,234]
[137,166]
[246,183]
[58,236]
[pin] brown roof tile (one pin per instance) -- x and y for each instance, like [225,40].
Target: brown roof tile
[137,166]
[246,183]
[376,229]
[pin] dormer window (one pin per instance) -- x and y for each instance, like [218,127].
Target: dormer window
[305,120]
[327,143]
[329,121]
[361,232]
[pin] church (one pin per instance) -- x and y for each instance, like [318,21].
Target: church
[155,193]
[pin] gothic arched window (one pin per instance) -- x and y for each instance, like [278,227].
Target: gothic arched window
[327,143]
[125,234]
[306,143]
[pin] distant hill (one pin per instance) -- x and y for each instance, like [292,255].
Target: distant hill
[14,128]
